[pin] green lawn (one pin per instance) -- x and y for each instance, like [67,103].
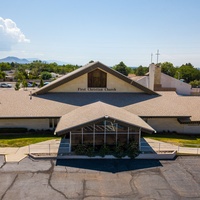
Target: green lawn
[24,140]
[177,139]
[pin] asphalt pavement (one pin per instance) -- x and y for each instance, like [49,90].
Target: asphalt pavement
[29,179]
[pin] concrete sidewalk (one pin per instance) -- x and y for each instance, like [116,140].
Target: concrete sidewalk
[51,147]
[13,154]
[158,146]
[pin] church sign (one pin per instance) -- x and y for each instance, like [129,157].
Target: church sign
[97,90]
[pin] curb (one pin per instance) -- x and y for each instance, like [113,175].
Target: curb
[154,156]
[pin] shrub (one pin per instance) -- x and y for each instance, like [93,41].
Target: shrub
[104,150]
[13,130]
[89,151]
[120,151]
[80,149]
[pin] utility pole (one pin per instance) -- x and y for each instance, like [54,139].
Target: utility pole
[157,54]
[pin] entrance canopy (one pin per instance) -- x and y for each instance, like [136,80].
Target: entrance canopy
[96,112]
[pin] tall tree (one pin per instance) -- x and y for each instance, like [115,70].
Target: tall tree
[122,68]
[188,72]
[2,75]
[168,68]
[141,71]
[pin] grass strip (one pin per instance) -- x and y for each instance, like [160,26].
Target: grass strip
[176,139]
[23,140]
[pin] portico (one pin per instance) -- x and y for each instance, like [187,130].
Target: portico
[101,124]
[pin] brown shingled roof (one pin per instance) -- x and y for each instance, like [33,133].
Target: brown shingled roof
[95,111]
[17,104]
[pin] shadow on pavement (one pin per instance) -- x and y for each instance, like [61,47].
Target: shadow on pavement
[109,165]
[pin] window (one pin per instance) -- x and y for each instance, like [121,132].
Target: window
[97,78]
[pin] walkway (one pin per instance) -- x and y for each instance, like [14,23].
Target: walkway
[13,154]
[52,146]
[159,146]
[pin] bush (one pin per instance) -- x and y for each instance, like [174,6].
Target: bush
[132,149]
[13,130]
[80,149]
[119,151]
[89,151]
[104,150]
[45,75]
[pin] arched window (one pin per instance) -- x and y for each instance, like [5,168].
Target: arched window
[97,79]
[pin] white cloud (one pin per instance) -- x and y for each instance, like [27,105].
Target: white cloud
[10,34]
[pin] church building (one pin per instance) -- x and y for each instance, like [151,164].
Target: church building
[97,105]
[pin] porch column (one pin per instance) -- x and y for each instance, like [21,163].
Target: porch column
[82,135]
[70,141]
[139,139]
[116,138]
[94,136]
[128,136]
[104,131]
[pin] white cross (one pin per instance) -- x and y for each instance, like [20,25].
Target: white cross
[157,54]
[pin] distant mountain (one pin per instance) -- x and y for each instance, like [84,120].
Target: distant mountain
[11,59]
[57,61]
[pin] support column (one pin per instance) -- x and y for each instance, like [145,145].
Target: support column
[70,141]
[104,131]
[139,139]
[128,136]
[94,136]
[116,134]
[82,135]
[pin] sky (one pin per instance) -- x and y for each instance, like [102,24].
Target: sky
[109,31]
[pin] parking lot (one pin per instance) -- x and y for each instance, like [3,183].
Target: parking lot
[101,179]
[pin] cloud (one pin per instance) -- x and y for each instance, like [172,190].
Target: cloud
[10,34]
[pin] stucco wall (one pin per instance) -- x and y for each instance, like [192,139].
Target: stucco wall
[166,124]
[170,82]
[192,128]
[171,124]
[144,81]
[25,123]
[79,84]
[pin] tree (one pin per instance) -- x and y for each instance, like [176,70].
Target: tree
[141,71]
[41,83]
[188,73]
[24,84]
[195,83]
[34,84]
[5,66]
[168,68]
[19,76]
[122,68]
[17,85]
[2,75]
[45,75]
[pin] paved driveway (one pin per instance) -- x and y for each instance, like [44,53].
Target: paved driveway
[42,179]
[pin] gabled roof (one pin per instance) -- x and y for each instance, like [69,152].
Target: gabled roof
[86,69]
[95,112]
